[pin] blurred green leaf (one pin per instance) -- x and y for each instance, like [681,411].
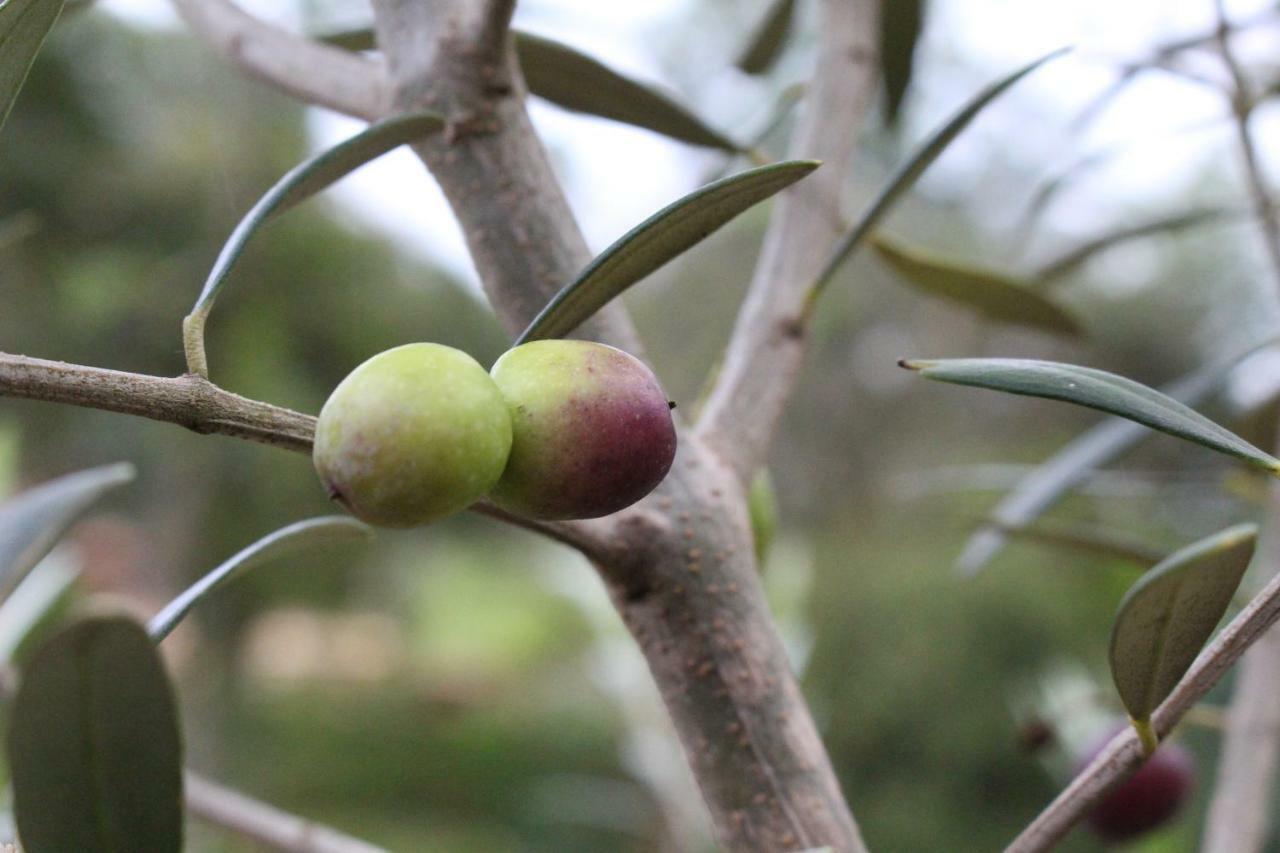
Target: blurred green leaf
[1098,445]
[33,602]
[1166,617]
[362,38]
[762,507]
[23,27]
[900,24]
[910,171]
[298,185]
[93,744]
[990,294]
[575,81]
[1095,389]
[571,79]
[33,522]
[768,39]
[1085,538]
[1077,257]
[658,239]
[303,534]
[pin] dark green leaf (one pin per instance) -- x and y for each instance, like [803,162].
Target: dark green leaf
[658,239]
[1095,389]
[93,744]
[357,40]
[33,522]
[575,81]
[1077,257]
[991,294]
[569,78]
[298,185]
[1085,538]
[302,534]
[23,27]
[1042,488]
[769,39]
[900,24]
[910,171]
[1168,615]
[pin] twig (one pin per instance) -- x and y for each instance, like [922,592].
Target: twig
[1242,104]
[308,70]
[1122,756]
[742,413]
[190,401]
[264,823]
[1240,812]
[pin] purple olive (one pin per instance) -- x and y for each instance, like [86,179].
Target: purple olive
[592,431]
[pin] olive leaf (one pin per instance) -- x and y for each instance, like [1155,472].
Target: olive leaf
[33,522]
[1096,446]
[768,39]
[569,78]
[991,294]
[910,171]
[93,744]
[303,534]
[34,602]
[900,25]
[298,184]
[1074,259]
[1166,617]
[658,239]
[1095,389]
[1085,538]
[24,24]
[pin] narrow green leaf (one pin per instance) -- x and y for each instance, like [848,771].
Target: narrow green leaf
[575,81]
[768,39]
[93,744]
[1097,446]
[357,40]
[1085,538]
[297,185]
[33,522]
[570,79]
[1074,259]
[33,603]
[990,294]
[910,171]
[302,534]
[1167,616]
[900,24]
[23,27]
[1095,389]
[658,239]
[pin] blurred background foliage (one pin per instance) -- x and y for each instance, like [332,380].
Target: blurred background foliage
[466,687]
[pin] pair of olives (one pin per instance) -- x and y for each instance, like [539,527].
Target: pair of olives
[559,429]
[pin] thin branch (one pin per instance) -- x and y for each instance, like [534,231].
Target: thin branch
[1240,813]
[742,413]
[265,824]
[188,400]
[308,70]
[1122,756]
[1242,105]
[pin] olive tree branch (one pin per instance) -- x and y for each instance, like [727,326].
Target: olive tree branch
[1239,813]
[764,356]
[197,404]
[263,823]
[1123,755]
[312,72]
[679,565]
